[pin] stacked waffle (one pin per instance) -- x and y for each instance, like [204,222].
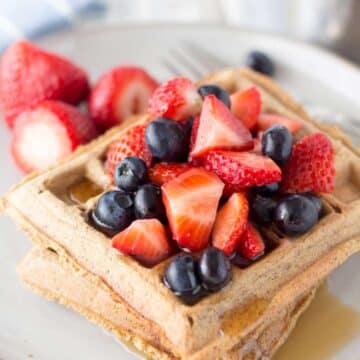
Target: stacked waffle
[75,264]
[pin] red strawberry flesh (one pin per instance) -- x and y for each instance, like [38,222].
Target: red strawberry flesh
[246,105]
[242,170]
[191,201]
[251,244]
[219,129]
[267,120]
[145,239]
[230,223]
[311,166]
[164,172]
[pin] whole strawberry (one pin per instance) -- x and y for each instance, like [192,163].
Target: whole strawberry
[311,166]
[120,93]
[29,75]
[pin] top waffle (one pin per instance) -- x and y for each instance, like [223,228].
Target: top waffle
[40,204]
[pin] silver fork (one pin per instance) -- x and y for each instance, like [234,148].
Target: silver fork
[194,61]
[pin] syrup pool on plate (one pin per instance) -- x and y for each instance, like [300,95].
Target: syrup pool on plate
[323,330]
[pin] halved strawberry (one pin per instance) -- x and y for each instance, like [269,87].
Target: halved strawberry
[29,75]
[219,129]
[163,172]
[191,202]
[246,105]
[131,142]
[144,239]
[120,93]
[230,223]
[251,244]
[241,170]
[311,166]
[177,99]
[267,120]
[47,133]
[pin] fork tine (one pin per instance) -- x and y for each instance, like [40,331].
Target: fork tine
[171,68]
[204,57]
[188,64]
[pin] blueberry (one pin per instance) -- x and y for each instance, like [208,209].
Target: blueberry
[148,203]
[214,269]
[316,200]
[260,62]
[166,139]
[277,143]
[262,209]
[295,215]
[267,190]
[113,212]
[130,173]
[188,127]
[216,90]
[181,276]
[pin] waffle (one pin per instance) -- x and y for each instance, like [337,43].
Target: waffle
[257,295]
[56,279]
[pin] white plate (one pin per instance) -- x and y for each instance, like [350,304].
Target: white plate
[31,326]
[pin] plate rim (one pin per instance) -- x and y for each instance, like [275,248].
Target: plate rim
[89,28]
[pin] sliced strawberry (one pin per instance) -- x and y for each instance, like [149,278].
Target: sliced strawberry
[219,129]
[251,243]
[191,202]
[120,93]
[241,170]
[144,239]
[230,223]
[131,142]
[47,133]
[29,75]
[257,143]
[267,120]
[177,99]
[164,172]
[246,105]
[311,166]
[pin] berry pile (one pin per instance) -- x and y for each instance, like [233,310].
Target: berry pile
[204,175]
[39,97]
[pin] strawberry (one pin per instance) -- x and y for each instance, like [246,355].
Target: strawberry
[219,129]
[163,172]
[267,120]
[257,143]
[241,170]
[177,99]
[191,202]
[29,75]
[311,166]
[246,105]
[144,239]
[120,93]
[230,223]
[47,133]
[131,142]
[251,243]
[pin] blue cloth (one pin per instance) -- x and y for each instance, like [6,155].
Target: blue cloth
[33,18]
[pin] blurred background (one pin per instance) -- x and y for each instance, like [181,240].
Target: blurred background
[333,24]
